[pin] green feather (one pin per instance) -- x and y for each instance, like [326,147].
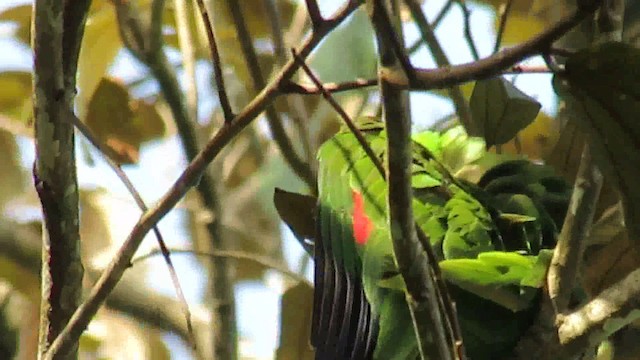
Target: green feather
[464,222]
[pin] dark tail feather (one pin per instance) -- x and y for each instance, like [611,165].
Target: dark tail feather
[343,326]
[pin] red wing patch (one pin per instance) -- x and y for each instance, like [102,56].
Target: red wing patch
[362,225]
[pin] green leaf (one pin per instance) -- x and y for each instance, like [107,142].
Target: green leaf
[502,277]
[500,110]
[603,85]
[295,323]
[423,180]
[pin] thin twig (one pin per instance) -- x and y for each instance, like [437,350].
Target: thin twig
[104,150]
[290,87]
[428,79]
[504,16]
[155,59]
[20,243]
[436,22]
[216,63]
[299,112]
[466,16]
[455,92]
[265,262]
[299,166]
[343,114]
[188,179]
[314,13]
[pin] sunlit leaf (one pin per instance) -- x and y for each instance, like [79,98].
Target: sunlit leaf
[20,16]
[537,140]
[520,27]
[94,224]
[517,6]
[603,85]
[100,45]
[295,323]
[500,110]
[15,100]
[121,123]
[12,181]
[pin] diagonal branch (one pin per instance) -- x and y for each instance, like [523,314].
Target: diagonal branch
[189,178]
[215,60]
[222,281]
[299,166]
[429,79]
[104,150]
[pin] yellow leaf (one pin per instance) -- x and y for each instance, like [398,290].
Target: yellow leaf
[21,17]
[15,96]
[520,27]
[121,123]
[100,45]
[295,323]
[517,6]
[12,181]
[536,140]
[254,13]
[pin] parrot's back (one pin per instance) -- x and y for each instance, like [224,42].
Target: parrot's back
[360,310]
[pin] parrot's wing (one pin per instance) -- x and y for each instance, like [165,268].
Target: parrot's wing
[343,326]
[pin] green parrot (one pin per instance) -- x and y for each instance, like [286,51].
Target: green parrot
[492,237]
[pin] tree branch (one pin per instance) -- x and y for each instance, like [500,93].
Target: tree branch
[613,309]
[429,79]
[568,253]
[104,150]
[299,166]
[225,343]
[413,263]
[188,179]
[466,18]
[263,261]
[57,34]
[21,245]
[215,60]
[455,92]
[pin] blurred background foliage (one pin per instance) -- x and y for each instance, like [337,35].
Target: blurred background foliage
[120,101]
